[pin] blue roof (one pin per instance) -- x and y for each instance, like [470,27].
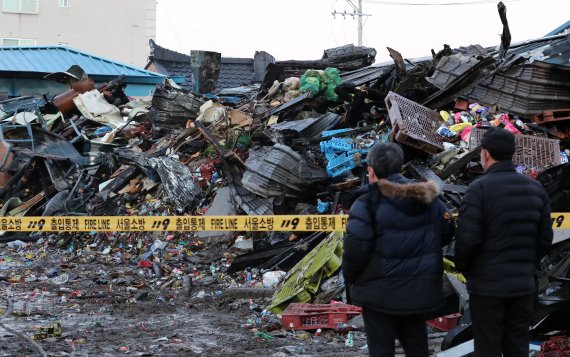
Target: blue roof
[50,59]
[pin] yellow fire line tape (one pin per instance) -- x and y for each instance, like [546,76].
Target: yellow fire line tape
[301,223]
[298,223]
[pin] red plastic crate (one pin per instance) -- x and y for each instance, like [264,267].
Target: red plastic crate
[445,323]
[315,316]
[558,346]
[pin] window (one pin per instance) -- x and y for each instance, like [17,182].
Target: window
[63,3]
[21,6]
[18,42]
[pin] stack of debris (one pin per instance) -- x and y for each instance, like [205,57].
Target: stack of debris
[298,145]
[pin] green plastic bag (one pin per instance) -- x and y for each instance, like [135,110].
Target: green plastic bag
[332,76]
[329,93]
[311,82]
[323,82]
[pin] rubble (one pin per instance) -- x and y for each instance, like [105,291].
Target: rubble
[291,142]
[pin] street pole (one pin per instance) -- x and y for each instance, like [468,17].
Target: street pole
[359,22]
[357,11]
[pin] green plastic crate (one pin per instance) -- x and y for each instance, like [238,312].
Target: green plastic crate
[305,278]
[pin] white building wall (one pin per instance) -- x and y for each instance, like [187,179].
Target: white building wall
[115,29]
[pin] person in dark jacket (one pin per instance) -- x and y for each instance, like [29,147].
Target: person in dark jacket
[392,260]
[504,229]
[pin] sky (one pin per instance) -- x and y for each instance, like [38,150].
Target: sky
[303,29]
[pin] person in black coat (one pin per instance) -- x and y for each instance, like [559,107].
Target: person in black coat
[504,229]
[392,260]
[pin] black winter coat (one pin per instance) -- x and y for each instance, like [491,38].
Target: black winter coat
[392,262]
[504,229]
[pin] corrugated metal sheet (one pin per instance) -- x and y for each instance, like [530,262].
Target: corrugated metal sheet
[29,103]
[291,104]
[177,182]
[553,50]
[238,95]
[307,128]
[273,171]
[525,89]
[251,203]
[451,67]
[534,77]
[51,59]
[364,75]
[171,108]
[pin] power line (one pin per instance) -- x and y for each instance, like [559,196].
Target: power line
[357,11]
[186,23]
[331,29]
[170,25]
[473,2]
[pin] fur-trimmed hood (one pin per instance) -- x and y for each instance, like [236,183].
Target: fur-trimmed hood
[424,192]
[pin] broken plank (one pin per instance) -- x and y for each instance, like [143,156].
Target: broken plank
[461,162]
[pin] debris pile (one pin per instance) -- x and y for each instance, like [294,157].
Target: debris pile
[296,143]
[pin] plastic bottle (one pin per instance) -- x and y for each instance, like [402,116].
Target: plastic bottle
[349,340]
[264,335]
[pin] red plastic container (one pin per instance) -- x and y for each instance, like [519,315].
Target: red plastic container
[315,316]
[445,323]
[558,346]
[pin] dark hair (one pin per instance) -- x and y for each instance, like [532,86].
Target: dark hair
[500,143]
[385,159]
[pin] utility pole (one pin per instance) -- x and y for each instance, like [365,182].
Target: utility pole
[357,11]
[359,22]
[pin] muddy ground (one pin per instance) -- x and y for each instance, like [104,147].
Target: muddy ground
[111,307]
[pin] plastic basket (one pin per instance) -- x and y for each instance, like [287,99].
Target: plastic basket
[532,151]
[340,165]
[315,316]
[340,144]
[413,124]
